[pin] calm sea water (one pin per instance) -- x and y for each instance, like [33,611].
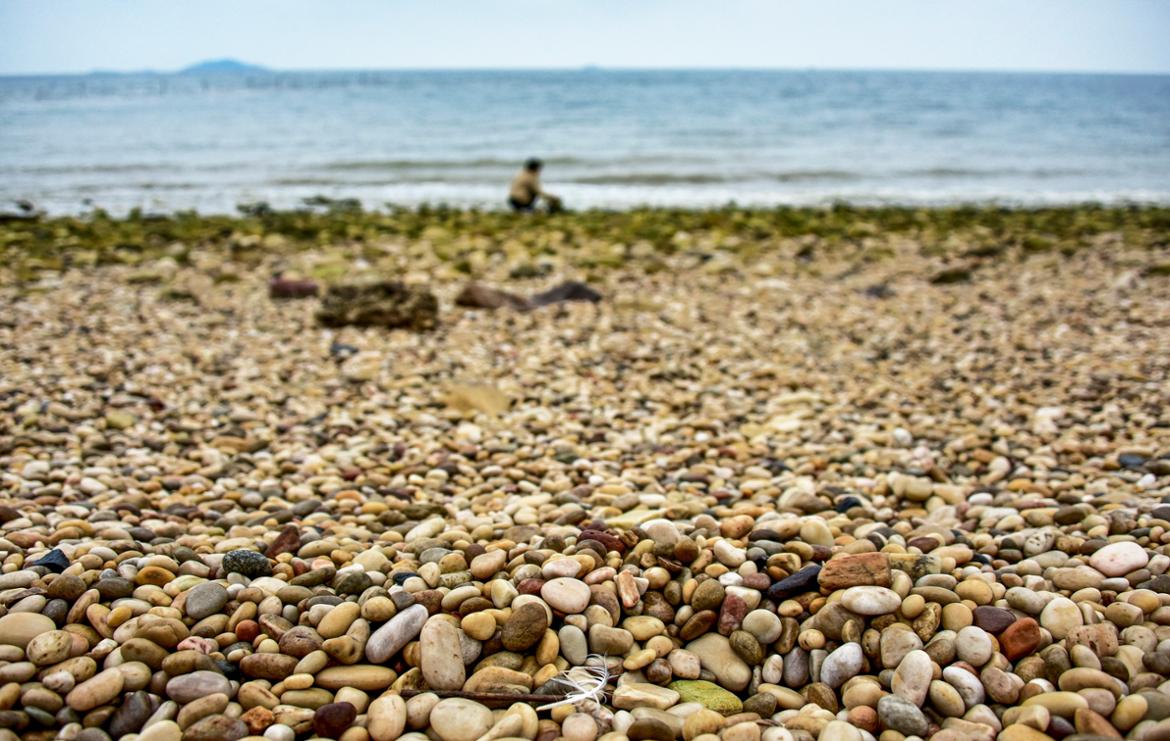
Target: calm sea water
[610,138]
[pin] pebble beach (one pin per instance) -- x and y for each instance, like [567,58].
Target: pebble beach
[833,475]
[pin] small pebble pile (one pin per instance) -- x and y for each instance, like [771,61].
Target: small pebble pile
[762,502]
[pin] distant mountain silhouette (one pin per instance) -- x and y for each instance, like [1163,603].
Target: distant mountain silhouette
[221,66]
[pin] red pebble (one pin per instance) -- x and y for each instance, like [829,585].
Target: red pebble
[1020,639]
[247,630]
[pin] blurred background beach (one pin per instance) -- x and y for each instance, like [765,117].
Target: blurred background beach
[647,127]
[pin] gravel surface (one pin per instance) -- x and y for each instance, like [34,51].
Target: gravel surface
[828,497]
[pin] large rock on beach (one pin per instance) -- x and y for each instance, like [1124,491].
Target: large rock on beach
[379,304]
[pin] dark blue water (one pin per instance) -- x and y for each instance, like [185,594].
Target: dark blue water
[610,138]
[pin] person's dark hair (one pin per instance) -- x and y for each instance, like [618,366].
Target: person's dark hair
[533,165]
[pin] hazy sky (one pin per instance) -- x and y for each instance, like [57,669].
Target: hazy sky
[81,35]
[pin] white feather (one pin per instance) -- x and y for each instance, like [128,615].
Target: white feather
[588,682]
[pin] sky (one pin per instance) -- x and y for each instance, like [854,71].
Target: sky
[61,36]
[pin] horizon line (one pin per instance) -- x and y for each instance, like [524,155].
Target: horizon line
[588,67]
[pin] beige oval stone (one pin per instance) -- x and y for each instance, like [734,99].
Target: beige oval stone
[1081,678]
[479,625]
[386,717]
[1064,704]
[96,691]
[338,620]
[441,656]
[18,628]
[49,648]
[459,719]
[365,677]
[1129,712]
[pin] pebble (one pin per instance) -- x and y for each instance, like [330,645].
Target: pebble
[1119,559]
[708,694]
[441,655]
[911,680]
[1060,617]
[18,628]
[525,627]
[716,656]
[457,719]
[396,633]
[97,690]
[206,600]
[331,720]
[386,718]
[579,727]
[566,595]
[188,687]
[974,646]
[866,600]
[842,664]
[246,563]
[902,716]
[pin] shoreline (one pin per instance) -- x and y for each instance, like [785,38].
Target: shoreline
[586,240]
[673,200]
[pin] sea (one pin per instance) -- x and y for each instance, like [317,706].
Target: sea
[609,138]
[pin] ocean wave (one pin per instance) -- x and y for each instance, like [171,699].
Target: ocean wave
[694,178]
[84,169]
[470,173]
[150,186]
[648,178]
[1038,173]
[510,163]
[802,176]
[439,164]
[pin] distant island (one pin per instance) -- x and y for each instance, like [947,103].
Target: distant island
[221,66]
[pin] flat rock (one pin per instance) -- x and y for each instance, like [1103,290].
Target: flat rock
[862,569]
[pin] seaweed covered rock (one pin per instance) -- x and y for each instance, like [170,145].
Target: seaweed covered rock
[379,304]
